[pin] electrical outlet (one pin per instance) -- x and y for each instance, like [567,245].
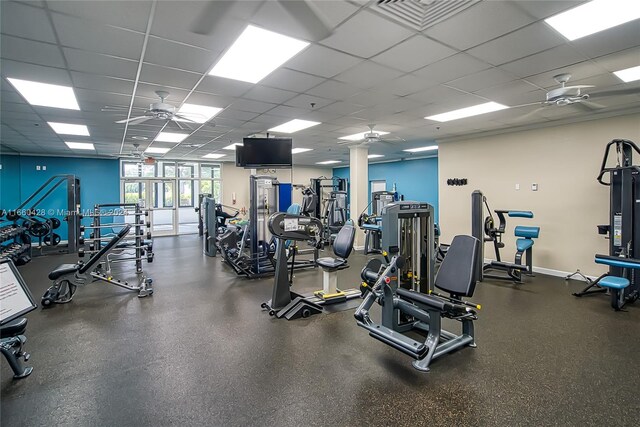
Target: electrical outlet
[534,187]
[517,187]
[44,168]
[38,167]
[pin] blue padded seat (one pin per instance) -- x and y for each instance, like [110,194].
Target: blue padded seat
[527,232]
[523,244]
[294,209]
[520,214]
[613,282]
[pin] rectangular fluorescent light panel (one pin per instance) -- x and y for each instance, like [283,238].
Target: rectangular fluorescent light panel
[171,137]
[629,74]
[69,129]
[593,17]
[420,149]
[232,146]
[198,113]
[46,95]
[157,150]
[80,145]
[300,150]
[375,156]
[214,156]
[360,136]
[255,54]
[294,126]
[329,162]
[467,112]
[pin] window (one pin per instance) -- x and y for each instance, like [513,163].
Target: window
[134,192]
[130,169]
[167,194]
[186,170]
[137,169]
[186,193]
[169,170]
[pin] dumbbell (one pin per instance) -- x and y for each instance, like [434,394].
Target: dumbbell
[52,239]
[81,240]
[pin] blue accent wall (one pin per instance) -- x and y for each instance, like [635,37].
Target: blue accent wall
[99,182]
[415,179]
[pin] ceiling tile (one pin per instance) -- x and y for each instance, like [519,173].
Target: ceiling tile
[305,101]
[321,61]
[37,73]
[451,68]
[179,55]
[342,108]
[368,74]
[268,94]
[544,9]
[291,80]
[526,41]
[445,97]
[252,106]
[222,86]
[414,53]
[288,112]
[369,98]
[95,63]
[331,89]
[101,83]
[351,38]
[513,93]
[552,59]
[82,34]
[479,23]
[134,16]
[406,85]
[173,19]
[620,60]
[481,80]
[18,49]
[578,71]
[25,21]
[622,37]
[168,77]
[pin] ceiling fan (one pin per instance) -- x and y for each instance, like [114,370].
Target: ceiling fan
[574,95]
[302,11]
[156,111]
[135,154]
[372,137]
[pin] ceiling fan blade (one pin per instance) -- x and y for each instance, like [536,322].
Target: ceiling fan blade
[585,106]
[529,104]
[177,122]
[530,114]
[183,118]
[618,92]
[579,86]
[138,119]
[310,19]
[213,12]
[593,105]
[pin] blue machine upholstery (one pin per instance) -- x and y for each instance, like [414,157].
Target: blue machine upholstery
[523,244]
[520,214]
[613,282]
[373,227]
[294,209]
[527,232]
[619,262]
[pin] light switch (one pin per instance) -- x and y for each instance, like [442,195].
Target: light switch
[534,187]
[44,168]
[38,167]
[517,187]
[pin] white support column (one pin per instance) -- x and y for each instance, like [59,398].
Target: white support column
[359,187]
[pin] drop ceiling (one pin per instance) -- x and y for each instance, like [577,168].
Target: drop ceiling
[374,68]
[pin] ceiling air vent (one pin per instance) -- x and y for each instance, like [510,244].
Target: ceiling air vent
[422,14]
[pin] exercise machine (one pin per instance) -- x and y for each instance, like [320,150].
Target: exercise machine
[284,302]
[16,301]
[370,223]
[408,226]
[67,277]
[210,225]
[331,208]
[484,229]
[622,281]
[290,227]
[409,311]
[41,225]
[309,202]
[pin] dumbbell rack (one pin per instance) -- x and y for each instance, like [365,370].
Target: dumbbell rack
[15,244]
[143,250]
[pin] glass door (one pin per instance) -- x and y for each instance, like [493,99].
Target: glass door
[158,195]
[163,200]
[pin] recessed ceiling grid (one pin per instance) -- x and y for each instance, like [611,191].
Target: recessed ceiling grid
[370,70]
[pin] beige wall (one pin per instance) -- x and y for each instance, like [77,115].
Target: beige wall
[236,180]
[564,161]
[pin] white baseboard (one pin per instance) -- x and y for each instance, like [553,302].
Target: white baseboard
[555,273]
[359,248]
